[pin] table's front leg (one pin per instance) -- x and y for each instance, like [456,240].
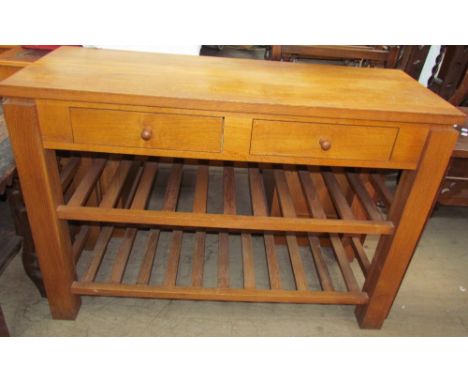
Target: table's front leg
[40,183]
[412,204]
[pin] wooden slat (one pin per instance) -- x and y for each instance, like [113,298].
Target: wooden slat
[343,262]
[318,211]
[260,208]
[123,254]
[84,189]
[361,255]
[80,242]
[109,200]
[378,182]
[115,187]
[146,266]
[169,204]
[223,260]
[310,191]
[172,191]
[248,261]
[68,172]
[219,294]
[314,242]
[201,189]
[229,203]
[339,199]
[223,221]
[139,201]
[199,206]
[198,259]
[288,211]
[173,262]
[320,265]
[364,196]
[172,194]
[229,185]
[98,253]
[344,210]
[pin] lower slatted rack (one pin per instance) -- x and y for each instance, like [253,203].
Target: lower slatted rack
[210,266]
[199,253]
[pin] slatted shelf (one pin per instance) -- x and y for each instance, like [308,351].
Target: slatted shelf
[190,255]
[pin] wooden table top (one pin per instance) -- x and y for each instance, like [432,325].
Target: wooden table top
[236,85]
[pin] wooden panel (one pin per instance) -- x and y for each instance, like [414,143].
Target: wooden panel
[54,121]
[303,140]
[409,144]
[165,131]
[215,83]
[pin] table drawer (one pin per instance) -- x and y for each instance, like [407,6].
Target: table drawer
[179,132]
[317,140]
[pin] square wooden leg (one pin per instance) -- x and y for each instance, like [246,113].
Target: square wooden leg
[42,191]
[410,209]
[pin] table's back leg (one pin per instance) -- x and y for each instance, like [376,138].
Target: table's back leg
[413,201]
[40,183]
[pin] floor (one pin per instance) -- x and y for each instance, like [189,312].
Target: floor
[433,301]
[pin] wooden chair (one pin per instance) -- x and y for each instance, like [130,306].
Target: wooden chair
[9,242]
[448,72]
[454,189]
[382,56]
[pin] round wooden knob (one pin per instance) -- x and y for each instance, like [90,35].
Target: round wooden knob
[325,144]
[146,134]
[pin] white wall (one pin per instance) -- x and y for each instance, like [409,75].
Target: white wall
[429,64]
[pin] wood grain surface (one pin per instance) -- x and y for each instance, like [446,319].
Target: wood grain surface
[215,83]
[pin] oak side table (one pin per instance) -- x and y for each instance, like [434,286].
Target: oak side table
[309,139]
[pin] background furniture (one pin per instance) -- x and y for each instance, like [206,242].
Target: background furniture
[9,243]
[14,58]
[249,123]
[409,58]
[365,55]
[9,185]
[454,189]
[449,70]
[450,80]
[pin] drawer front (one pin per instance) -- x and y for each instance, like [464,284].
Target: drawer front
[316,140]
[147,130]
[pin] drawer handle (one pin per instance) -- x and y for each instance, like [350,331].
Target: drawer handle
[325,144]
[146,134]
